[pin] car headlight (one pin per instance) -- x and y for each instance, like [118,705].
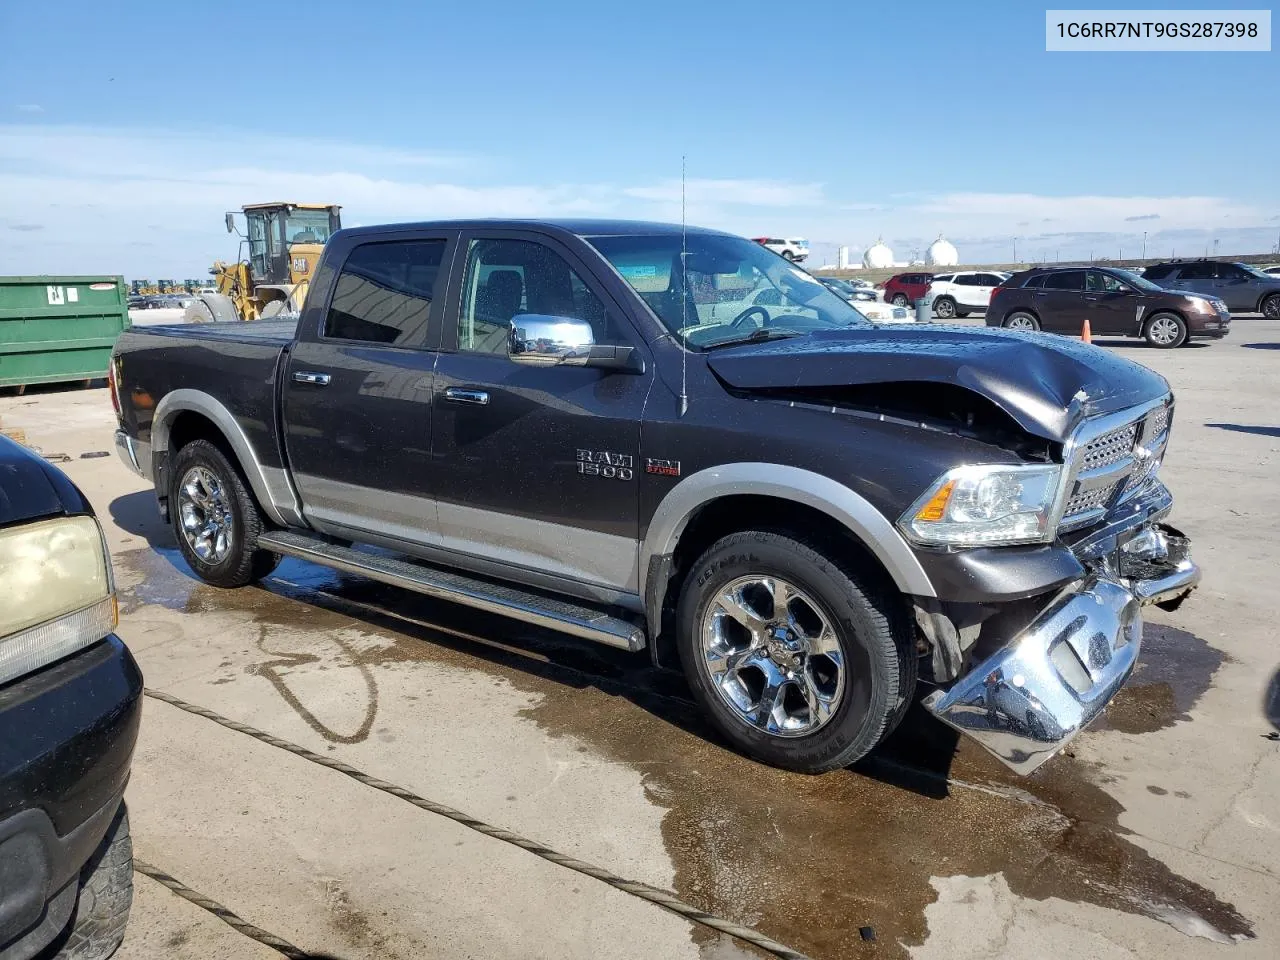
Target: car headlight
[985,506]
[1202,305]
[58,592]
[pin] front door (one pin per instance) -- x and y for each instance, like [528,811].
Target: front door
[537,467]
[1060,302]
[1236,287]
[358,392]
[1197,277]
[1112,305]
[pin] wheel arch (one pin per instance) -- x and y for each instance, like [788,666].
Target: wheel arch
[197,415]
[700,508]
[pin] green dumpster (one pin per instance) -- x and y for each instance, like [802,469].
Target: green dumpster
[59,328]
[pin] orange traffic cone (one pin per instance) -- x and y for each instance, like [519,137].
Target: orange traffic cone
[1085,335]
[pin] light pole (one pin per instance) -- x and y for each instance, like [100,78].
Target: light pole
[1215,246]
[1015,250]
[1144,244]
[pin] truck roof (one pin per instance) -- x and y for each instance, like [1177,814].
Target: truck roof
[582,227]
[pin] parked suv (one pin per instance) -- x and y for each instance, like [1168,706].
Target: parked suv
[959,294]
[1243,288]
[795,248]
[70,701]
[905,288]
[1115,302]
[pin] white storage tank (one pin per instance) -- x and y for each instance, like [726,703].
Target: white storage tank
[942,254]
[878,256]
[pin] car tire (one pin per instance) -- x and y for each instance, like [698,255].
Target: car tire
[105,895]
[945,308]
[859,617]
[1021,320]
[1270,307]
[962,313]
[228,507]
[788,255]
[900,300]
[1164,331]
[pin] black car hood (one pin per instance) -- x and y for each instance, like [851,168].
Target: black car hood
[30,488]
[1047,384]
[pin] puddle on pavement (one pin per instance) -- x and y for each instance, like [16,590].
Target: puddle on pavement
[1174,671]
[807,860]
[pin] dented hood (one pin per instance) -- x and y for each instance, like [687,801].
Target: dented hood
[1033,377]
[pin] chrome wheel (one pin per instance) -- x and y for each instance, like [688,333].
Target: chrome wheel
[1020,321]
[204,509]
[772,656]
[1164,331]
[945,309]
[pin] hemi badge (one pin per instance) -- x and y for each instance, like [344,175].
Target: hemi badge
[663,468]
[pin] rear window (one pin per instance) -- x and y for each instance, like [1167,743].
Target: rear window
[384,293]
[1036,281]
[1066,280]
[1197,271]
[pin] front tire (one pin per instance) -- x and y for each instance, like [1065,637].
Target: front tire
[788,255]
[105,896]
[1165,331]
[215,518]
[945,308]
[899,300]
[1271,307]
[801,662]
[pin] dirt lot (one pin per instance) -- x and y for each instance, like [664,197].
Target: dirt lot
[1158,836]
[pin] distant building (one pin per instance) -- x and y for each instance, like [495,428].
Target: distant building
[878,256]
[942,254]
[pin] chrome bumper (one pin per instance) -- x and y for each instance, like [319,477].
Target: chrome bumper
[134,454]
[1030,698]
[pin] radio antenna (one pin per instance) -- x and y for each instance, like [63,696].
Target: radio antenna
[684,295]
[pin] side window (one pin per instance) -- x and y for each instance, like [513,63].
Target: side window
[968,279]
[1157,273]
[990,279]
[384,293]
[1066,280]
[1229,271]
[944,278]
[1036,282]
[1197,271]
[506,278]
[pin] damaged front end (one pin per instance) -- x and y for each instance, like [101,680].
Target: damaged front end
[1054,672]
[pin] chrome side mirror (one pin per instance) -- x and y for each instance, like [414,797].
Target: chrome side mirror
[544,341]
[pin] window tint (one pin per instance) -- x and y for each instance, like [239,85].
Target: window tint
[968,280]
[991,279]
[1066,280]
[506,278]
[1036,281]
[1229,271]
[1157,273]
[384,293]
[944,278]
[1197,271]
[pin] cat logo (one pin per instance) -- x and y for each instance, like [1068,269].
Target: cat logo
[299,264]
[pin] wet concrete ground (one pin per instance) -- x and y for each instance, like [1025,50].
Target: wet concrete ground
[1158,834]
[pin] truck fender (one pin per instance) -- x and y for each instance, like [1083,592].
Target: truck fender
[848,508]
[271,485]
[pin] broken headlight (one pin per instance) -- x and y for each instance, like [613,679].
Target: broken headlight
[985,506]
[58,592]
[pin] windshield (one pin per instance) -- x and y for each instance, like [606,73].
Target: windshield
[1138,281]
[307,226]
[838,285]
[730,288]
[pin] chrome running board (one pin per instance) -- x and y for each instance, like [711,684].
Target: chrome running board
[544,611]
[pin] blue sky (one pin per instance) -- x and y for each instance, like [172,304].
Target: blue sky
[124,133]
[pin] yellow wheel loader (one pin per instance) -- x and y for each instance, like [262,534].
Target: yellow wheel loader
[284,242]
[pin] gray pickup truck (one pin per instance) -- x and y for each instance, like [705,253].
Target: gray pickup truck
[673,439]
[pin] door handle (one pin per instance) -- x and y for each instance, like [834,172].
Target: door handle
[315,379]
[463,395]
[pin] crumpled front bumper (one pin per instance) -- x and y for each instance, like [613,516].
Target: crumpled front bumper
[1030,698]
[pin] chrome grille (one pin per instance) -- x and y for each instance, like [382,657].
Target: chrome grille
[1089,500]
[1158,422]
[1109,448]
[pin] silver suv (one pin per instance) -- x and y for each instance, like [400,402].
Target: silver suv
[1245,289]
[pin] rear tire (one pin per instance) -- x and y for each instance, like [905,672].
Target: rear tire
[861,686]
[231,557]
[900,300]
[945,308]
[1021,320]
[97,923]
[1165,331]
[788,255]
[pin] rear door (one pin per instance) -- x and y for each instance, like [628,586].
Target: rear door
[358,390]
[537,466]
[1060,302]
[987,283]
[1198,277]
